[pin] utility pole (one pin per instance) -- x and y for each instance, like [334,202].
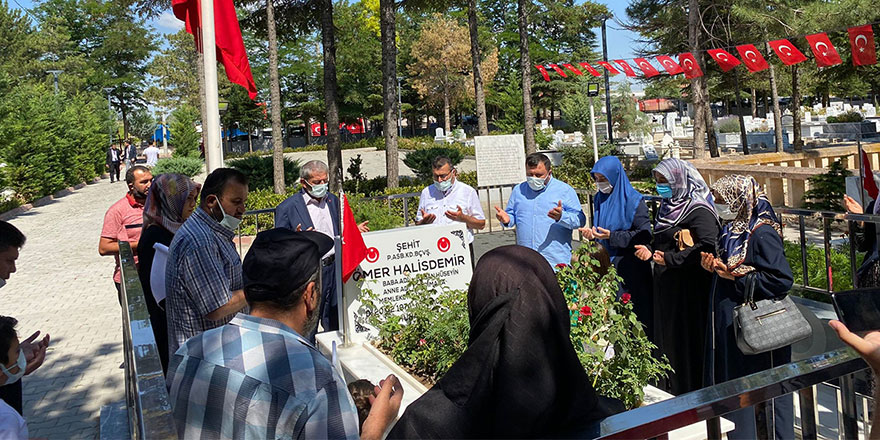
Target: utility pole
[55,73]
[593,90]
[164,135]
[399,104]
[109,108]
[607,82]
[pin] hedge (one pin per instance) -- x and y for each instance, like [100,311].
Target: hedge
[49,142]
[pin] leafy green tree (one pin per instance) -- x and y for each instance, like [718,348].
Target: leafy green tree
[176,72]
[827,190]
[244,113]
[626,117]
[184,136]
[142,124]
[575,107]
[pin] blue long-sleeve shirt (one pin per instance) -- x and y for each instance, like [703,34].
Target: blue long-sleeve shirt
[535,229]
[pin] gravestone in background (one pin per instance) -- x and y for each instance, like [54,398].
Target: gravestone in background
[501,160]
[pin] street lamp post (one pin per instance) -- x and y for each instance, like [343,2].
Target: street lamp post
[110,109]
[607,82]
[55,73]
[399,105]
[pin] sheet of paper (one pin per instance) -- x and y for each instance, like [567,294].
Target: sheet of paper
[157,273]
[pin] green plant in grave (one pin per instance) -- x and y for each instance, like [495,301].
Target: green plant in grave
[427,335]
[607,336]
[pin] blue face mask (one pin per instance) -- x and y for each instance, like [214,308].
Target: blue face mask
[664,190]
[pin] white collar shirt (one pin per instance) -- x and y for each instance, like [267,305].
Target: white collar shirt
[319,211]
[434,201]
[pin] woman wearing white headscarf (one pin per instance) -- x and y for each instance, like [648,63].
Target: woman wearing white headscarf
[686,225]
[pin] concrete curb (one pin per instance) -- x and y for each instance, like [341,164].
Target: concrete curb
[12,213]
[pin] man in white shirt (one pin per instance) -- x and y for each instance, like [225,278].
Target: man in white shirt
[152,154]
[448,201]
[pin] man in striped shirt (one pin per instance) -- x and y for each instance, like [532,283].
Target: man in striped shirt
[258,376]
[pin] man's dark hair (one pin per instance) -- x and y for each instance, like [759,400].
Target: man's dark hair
[7,334]
[128,142]
[129,174]
[263,298]
[10,236]
[439,161]
[216,182]
[534,159]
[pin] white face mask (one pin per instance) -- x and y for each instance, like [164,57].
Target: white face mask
[536,183]
[724,211]
[228,222]
[318,191]
[443,185]
[21,363]
[604,187]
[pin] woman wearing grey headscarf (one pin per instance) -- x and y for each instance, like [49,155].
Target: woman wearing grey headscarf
[686,225]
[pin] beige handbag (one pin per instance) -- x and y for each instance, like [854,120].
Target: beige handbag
[684,239]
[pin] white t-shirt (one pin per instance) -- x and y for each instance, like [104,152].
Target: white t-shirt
[12,425]
[152,154]
[433,201]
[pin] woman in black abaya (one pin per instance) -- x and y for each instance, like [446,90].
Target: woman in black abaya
[520,376]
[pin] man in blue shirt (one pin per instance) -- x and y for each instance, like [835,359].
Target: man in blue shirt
[544,210]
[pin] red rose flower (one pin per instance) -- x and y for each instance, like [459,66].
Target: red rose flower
[625,298]
[561,266]
[586,311]
[422,342]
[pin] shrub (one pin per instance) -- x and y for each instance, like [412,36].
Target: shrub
[543,139]
[728,125]
[577,163]
[420,160]
[850,116]
[377,212]
[827,190]
[607,336]
[263,199]
[188,166]
[436,330]
[185,138]
[261,171]
[48,141]
[841,272]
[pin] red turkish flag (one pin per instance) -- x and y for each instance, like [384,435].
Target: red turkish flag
[573,69]
[869,184]
[558,70]
[354,250]
[787,52]
[543,71]
[669,64]
[589,68]
[861,39]
[689,65]
[627,70]
[752,57]
[725,59]
[230,46]
[825,53]
[608,67]
[646,67]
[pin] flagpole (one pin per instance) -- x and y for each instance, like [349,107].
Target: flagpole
[211,124]
[340,297]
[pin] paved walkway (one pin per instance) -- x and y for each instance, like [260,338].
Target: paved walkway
[64,288]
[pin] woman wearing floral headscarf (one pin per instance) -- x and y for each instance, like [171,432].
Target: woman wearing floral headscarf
[750,246]
[686,225]
[171,199]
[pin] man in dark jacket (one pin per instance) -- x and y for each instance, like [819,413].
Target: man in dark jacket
[315,208]
[114,159]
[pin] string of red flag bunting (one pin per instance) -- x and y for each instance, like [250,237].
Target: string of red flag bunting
[861,40]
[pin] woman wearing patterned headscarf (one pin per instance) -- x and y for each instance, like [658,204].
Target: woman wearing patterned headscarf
[686,225]
[170,200]
[750,246]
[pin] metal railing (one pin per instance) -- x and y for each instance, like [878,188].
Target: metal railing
[146,398]
[708,404]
